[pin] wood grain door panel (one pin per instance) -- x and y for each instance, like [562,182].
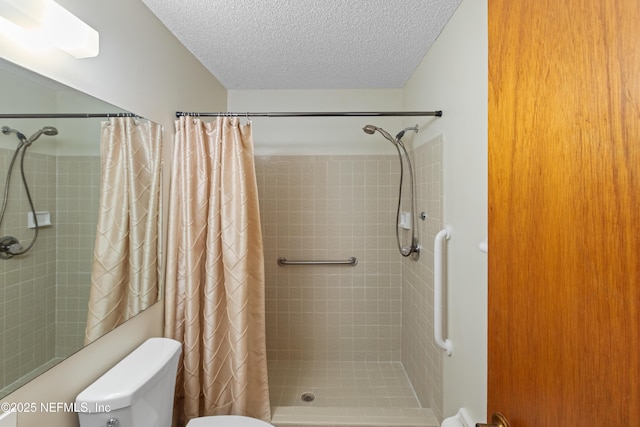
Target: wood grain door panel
[564,212]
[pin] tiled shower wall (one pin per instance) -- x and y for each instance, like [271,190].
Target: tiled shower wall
[77,215]
[331,207]
[43,294]
[421,358]
[27,282]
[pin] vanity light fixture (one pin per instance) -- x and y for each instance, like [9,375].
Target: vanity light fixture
[37,24]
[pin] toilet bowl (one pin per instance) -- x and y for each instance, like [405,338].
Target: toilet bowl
[461,419]
[138,392]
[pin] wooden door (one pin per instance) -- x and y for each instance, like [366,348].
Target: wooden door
[564,212]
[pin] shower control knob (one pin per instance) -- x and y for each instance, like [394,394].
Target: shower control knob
[9,246]
[15,248]
[113,422]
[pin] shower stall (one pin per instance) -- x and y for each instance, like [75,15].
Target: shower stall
[45,270]
[351,343]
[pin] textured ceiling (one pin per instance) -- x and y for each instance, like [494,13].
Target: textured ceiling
[307,44]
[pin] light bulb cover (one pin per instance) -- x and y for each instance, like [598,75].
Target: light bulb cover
[44,23]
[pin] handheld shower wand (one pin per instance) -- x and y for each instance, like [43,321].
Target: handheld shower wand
[7,131]
[371,129]
[413,249]
[9,245]
[47,130]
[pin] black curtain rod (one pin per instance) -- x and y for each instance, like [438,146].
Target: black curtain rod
[316,114]
[65,115]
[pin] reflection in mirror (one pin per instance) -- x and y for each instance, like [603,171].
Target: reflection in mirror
[44,291]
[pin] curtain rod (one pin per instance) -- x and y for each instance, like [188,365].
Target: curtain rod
[65,115]
[316,114]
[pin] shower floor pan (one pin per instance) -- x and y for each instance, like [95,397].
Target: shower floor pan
[334,394]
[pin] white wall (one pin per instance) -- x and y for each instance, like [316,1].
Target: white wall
[318,135]
[453,77]
[144,69]
[26,92]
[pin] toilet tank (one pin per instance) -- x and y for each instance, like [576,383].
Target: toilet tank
[137,392]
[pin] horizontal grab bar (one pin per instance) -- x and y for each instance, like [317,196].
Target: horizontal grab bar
[351,261]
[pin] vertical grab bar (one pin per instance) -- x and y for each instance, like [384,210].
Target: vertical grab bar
[438,285]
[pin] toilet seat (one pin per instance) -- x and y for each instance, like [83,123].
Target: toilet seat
[227,421]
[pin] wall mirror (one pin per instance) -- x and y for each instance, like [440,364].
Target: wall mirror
[44,292]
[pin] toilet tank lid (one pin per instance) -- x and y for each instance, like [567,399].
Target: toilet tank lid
[119,384]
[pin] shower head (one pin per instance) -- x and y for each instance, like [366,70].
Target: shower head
[401,133]
[371,129]
[47,130]
[7,130]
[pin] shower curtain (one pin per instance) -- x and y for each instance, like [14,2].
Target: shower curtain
[124,276]
[214,299]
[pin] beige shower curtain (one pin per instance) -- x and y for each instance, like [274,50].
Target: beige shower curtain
[214,299]
[124,277]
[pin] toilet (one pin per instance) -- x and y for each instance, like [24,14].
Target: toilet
[138,392]
[461,419]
